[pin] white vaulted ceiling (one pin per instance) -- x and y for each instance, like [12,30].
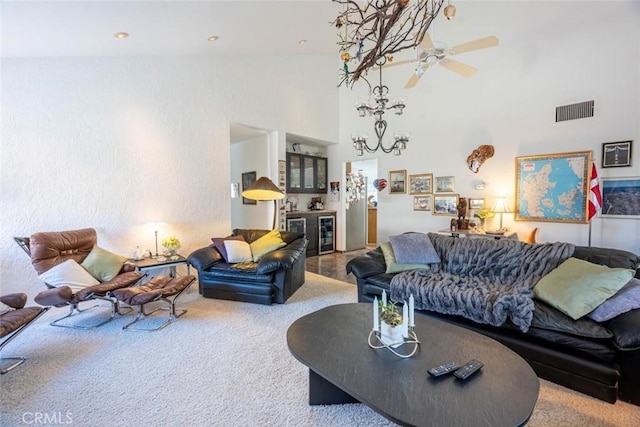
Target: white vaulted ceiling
[86,28]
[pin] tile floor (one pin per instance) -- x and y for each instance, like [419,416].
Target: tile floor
[334,265]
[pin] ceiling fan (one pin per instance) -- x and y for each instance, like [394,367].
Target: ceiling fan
[430,53]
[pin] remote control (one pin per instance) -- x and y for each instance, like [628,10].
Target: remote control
[443,369]
[468,369]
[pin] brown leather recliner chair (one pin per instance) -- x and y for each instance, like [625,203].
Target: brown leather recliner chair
[49,249]
[13,322]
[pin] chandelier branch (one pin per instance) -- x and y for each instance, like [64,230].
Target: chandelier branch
[379,29]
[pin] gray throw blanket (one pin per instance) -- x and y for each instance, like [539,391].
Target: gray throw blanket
[485,280]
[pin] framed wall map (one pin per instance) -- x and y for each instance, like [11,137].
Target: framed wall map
[553,187]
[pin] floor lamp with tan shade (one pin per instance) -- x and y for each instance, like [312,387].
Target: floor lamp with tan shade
[265,189]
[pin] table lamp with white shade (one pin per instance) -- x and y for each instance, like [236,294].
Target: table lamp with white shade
[501,207]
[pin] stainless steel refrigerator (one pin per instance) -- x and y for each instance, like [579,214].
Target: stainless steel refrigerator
[356,223]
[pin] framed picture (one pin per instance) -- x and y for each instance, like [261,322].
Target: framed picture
[616,154]
[620,197]
[422,203]
[553,187]
[397,180]
[477,203]
[445,204]
[235,190]
[445,184]
[420,184]
[248,178]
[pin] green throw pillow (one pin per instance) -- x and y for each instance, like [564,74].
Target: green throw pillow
[577,287]
[265,244]
[390,260]
[102,264]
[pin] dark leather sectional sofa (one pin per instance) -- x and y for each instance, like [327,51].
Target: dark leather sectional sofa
[605,367]
[271,280]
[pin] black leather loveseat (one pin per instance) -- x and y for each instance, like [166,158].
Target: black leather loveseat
[271,280]
[606,366]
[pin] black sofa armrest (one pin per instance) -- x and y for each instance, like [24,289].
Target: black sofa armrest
[368,264]
[626,330]
[283,258]
[204,258]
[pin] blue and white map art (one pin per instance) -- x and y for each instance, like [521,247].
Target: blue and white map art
[553,187]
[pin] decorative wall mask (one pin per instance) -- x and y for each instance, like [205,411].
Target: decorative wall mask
[479,156]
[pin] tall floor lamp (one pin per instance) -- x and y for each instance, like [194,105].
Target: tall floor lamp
[501,207]
[265,189]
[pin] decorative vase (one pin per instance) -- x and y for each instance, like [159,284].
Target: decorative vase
[391,335]
[169,252]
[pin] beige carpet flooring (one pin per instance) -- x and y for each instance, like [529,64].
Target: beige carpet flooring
[222,364]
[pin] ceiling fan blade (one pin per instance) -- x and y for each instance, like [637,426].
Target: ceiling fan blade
[475,45]
[458,67]
[427,43]
[415,77]
[394,63]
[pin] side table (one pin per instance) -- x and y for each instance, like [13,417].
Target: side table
[512,235]
[165,262]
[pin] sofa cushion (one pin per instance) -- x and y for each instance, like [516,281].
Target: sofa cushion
[4,308]
[627,298]
[102,264]
[237,251]
[240,272]
[626,330]
[547,317]
[68,273]
[413,248]
[266,244]
[576,287]
[390,260]
[218,242]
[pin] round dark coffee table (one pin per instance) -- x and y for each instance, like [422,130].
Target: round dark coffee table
[332,342]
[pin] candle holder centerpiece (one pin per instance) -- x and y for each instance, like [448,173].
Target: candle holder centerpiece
[392,330]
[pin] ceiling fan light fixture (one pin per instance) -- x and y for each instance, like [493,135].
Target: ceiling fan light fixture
[449,12]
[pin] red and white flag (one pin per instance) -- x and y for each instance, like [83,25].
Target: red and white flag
[595,196]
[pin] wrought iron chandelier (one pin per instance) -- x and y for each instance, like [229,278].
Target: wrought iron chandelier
[381,97]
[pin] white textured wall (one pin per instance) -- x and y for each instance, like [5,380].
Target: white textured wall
[550,54]
[249,156]
[117,143]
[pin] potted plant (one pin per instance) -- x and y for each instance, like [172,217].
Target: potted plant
[482,215]
[171,245]
[391,321]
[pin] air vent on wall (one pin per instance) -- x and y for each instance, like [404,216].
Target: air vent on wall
[575,111]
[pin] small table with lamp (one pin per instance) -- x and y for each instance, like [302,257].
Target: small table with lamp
[511,235]
[161,262]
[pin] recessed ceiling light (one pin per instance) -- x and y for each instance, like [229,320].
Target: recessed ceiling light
[213,38]
[303,41]
[121,35]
